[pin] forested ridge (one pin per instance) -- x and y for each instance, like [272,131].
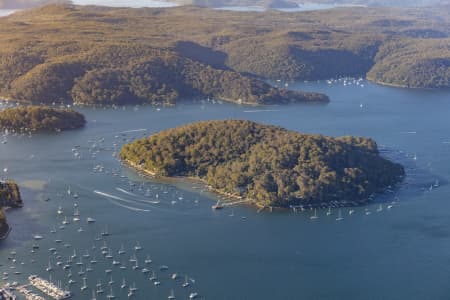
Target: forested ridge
[268,164]
[40,118]
[295,3]
[98,55]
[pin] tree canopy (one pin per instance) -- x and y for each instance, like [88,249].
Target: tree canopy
[99,55]
[39,118]
[268,164]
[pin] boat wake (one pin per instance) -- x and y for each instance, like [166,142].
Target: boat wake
[261,110]
[117,198]
[137,196]
[114,199]
[128,207]
[109,196]
[134,130]
[126,192]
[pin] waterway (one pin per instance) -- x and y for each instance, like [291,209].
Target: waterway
[396,253]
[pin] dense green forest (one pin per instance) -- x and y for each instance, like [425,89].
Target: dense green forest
[40,118]
[98,55]
[269,164]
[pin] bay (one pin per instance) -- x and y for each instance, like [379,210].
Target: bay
[395,253]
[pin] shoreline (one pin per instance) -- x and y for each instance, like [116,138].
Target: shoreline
[4,235]
[248,201]
[325,100]
[153,175]
[400,86]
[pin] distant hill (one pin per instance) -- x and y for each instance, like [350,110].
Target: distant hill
[295,3]
[98,55]
[225,3]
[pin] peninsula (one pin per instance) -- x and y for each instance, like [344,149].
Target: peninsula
[40,118]
[267,164]
[9,197]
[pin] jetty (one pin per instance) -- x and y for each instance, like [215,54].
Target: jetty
[49,288]
[28,294]
[6,294]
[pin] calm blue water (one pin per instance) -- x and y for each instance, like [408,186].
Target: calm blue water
[401,253]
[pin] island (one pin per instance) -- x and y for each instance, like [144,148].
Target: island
[40,118]
[91,55]
[9,197]
[268,165]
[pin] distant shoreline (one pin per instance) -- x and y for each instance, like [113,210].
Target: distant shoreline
[404,86]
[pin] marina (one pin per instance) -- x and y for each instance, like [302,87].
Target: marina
[49,288]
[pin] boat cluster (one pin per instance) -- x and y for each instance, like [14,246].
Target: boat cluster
[350,211]
[79,267]
[102,258]
[5,134]
[347,81]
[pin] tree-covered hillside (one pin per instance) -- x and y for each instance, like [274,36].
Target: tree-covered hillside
[98,55]
[268,164]
[40,118]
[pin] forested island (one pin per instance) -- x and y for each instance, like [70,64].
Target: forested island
[98,55]
[267,164]
[40,118]
[9,197]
